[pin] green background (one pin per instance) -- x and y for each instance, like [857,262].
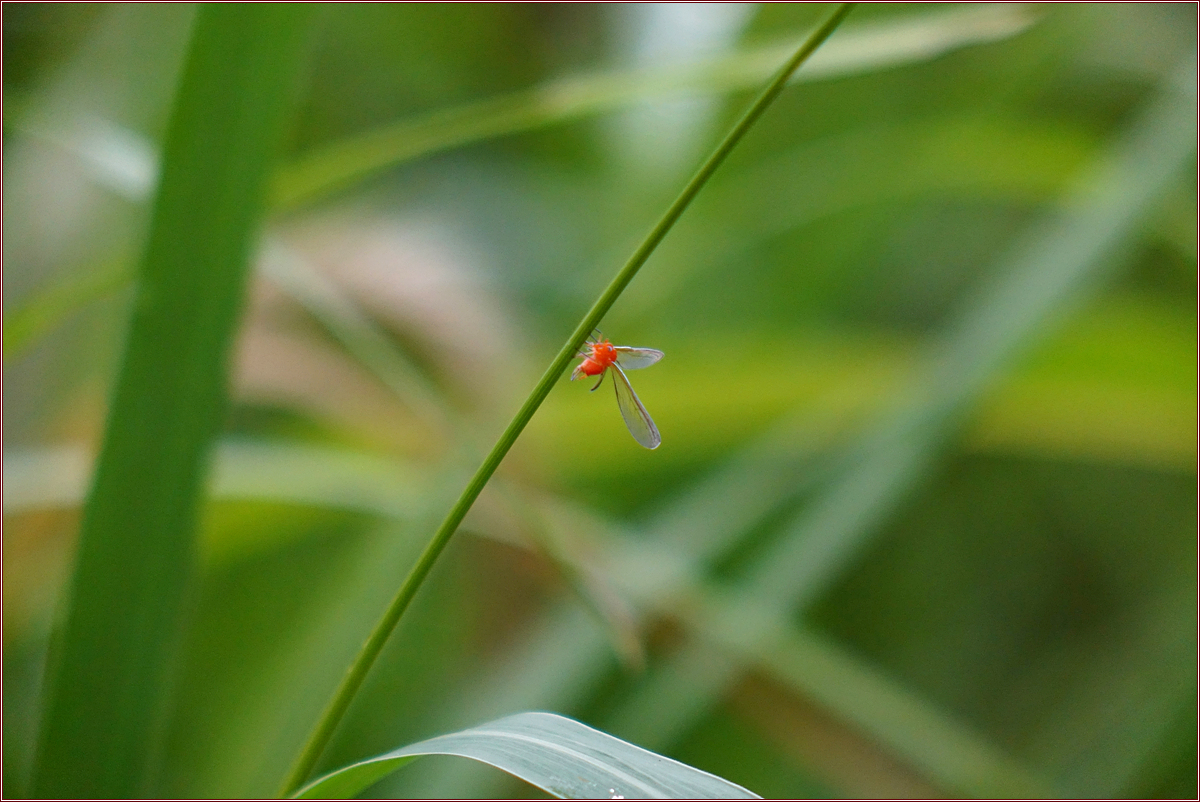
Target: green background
[923,521]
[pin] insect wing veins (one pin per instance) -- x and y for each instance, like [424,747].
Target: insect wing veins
[637,419]
[637,358]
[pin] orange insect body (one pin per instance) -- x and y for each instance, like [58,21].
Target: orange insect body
[602,356]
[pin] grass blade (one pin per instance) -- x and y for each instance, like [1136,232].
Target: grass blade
[109,672]
[557,754]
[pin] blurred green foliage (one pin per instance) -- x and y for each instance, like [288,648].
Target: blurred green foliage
[1017,600]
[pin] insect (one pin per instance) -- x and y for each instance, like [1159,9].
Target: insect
[600,355]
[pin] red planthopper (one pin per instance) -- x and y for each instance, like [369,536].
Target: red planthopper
[598,357]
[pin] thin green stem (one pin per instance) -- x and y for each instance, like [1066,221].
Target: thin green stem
[357,671]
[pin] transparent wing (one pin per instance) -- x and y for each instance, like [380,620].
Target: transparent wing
[634,358]
[635,415]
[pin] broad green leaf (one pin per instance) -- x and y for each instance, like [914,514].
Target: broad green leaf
[557,754]
[109,673]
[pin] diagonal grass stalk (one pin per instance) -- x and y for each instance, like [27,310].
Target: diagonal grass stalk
[357,671]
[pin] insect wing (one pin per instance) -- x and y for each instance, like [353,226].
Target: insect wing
[635,358]
[636,417]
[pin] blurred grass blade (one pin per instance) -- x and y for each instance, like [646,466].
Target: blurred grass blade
[1049,269]
[45,478]
[949,753]
[346,322]
[945,751]
[109,671]
[28,323]
[557,754]
[867,47]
